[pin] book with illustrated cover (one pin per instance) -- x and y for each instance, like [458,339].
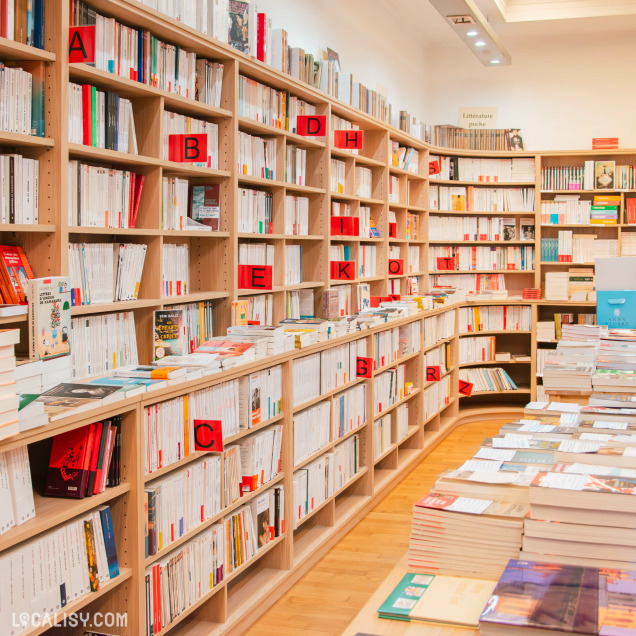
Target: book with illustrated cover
[206,205]
[15,272]
[67,473]
[436,599]
[238,33]
[49,317]
[225,347]
[91,554]
[604,175]
[170,337]
[545,596]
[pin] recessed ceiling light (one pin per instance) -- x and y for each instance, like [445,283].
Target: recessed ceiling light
[480,43]
[471,34]
[495,61]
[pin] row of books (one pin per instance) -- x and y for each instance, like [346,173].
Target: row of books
[338,175]
[593,175]
[566,208]
[101,119]
[364,182]
[105,272]
[481,349]
[495,379]
[405,158]
[58,567]
[23,22]
[138,55]
[575,284]
[470,198]
[577,248]
[389,388]
[178,124]
[476,283]
[469,138]
[480,228]
[270,106]
[107,197]
[19,189]
[486,170]
[22,97]
[394,189]
[293,272]
[296,165]
[495,318]
[257,156]
[443,257]
[436,396]
[440,327]
[189,573]
[175,273]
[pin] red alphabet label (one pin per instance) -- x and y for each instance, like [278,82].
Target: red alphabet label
[311,125]
[348,139]
[345,226]
[396,266]
[343,270]
[255,276]
[188,148]
[208,435]
[81,44]
[392,230]
[465,388]
[433,374]
[444,263]
[364,367]
[375,301]
[434,167]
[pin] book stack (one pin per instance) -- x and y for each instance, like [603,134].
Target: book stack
[628,239]
[566,209]
[582,516]
[614,379]
[580,284]
[605,209]
[556,286]
[9,401]
[464,536]
[565,370]
[531,294]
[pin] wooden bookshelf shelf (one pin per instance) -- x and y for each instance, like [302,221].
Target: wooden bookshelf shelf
[101,308]
[101,155]
[487,184]
[501,243]
[496,331]
[20,227]
[11,50]
[17,139]
[390,408]
[473,212]
[551,263]
[482,271]
[493,363]
[190,170]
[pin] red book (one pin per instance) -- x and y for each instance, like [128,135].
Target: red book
[4,18]
[100,457]
[66,476]
[108,454]
[15,271]
[261,37]
[87,110]
[94,454]
[140,186]
[89,454]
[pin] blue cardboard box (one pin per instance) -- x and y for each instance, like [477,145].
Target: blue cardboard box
[616,309]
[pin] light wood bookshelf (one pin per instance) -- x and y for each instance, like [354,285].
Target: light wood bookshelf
[249,591]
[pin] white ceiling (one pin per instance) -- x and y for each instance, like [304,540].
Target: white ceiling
[527,19]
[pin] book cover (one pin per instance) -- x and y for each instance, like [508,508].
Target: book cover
[604,175]
[545,596]
[70,390]
[225,347]
[206,205]
[49,317]
[16,272]
[67,471]
[170,337]
[238,33]
[91,554]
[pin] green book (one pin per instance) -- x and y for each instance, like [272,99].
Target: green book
[405,595]
[26,399]
[94,115]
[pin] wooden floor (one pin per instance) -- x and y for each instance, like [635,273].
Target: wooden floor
[330,595]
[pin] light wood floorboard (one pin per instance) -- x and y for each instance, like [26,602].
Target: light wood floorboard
[329,596]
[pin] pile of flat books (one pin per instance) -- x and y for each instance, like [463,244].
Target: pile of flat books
[564,369]
[464,536]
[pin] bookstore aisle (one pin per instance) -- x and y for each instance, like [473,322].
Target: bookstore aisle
[328,597]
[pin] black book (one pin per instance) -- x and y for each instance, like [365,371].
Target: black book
[111,123]
[11,189]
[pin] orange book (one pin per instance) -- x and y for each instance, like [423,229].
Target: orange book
[15,272]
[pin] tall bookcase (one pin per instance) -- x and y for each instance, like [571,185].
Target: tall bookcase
[246,593]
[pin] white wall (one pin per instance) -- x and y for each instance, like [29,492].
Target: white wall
[561,92]
[371,44]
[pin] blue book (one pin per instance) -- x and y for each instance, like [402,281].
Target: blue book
[109,541]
